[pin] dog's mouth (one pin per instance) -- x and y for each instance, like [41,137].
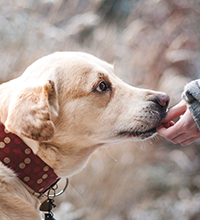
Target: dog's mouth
[137,133]
[146,122]
[143,130]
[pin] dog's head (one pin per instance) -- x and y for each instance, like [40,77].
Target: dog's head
[76,98]
[68,104]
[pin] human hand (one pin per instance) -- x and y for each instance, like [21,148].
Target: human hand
[184,131]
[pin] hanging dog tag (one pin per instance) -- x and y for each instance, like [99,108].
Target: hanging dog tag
[46,206]
[49,216]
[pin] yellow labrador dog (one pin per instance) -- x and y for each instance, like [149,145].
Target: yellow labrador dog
[64,107]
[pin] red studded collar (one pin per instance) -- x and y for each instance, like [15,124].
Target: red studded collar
[29,168]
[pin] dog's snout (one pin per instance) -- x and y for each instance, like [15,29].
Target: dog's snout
[163,100]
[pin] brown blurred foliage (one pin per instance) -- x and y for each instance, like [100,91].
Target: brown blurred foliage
[154,44]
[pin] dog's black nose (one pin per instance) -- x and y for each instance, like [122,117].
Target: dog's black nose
[163,100]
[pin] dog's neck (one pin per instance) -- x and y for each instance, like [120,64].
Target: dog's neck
[15,154]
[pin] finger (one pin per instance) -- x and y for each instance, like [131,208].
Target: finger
[189,141]
[189,134]
[168,124]
[161,130]
[175,111]
[182,138]
[168,133]
[171,130]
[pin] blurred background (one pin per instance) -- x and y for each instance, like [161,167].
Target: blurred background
[154,44]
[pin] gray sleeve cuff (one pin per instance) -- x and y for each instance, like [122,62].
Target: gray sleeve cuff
[191,95]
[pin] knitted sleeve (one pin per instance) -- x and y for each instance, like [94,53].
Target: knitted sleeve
[191,95]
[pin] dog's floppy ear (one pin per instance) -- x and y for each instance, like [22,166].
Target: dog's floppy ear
[32,112]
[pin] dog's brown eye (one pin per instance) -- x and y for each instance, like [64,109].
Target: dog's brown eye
[102,87]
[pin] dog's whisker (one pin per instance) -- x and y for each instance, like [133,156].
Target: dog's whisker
[142,145]
[107,150]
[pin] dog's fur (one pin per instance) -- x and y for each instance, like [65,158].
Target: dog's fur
[58,108]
